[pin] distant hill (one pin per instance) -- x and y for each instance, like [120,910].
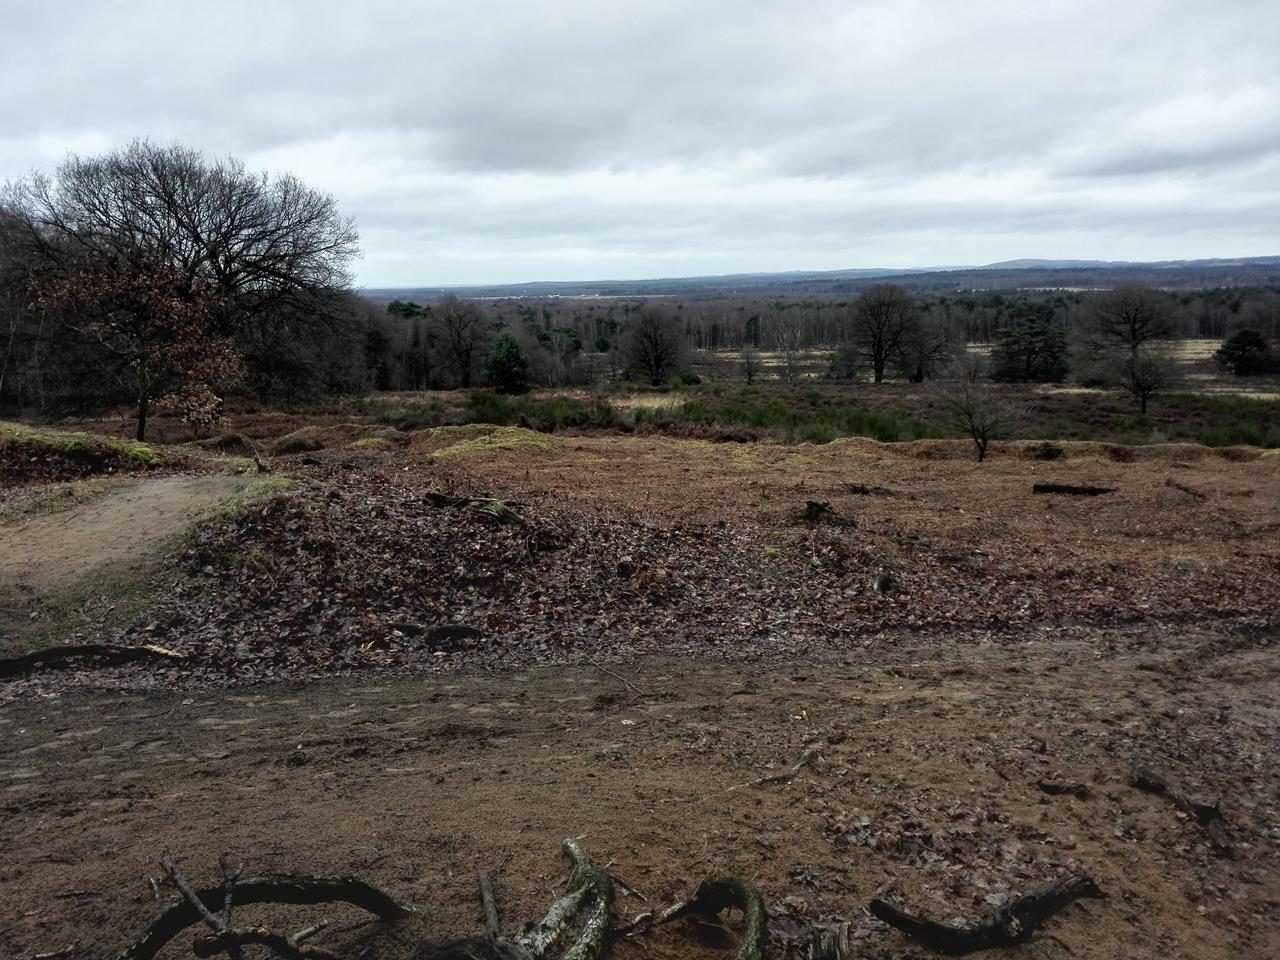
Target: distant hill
[1005,275]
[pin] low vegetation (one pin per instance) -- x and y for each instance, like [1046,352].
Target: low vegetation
[30,455]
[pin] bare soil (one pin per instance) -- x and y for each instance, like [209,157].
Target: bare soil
[928,782]
[956,765]
[115,534]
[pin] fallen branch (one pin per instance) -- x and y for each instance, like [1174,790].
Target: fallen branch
[491,924]
[108,654]
[1208,815]
[599,920]
[1012,924]
[266,888]
[1071,489]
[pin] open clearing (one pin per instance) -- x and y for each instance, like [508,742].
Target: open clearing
[664,627]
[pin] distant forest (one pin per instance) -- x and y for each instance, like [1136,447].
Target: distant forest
[155,278]
[579,341]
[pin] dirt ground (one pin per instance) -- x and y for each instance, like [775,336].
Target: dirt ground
[112,534]
[955,766]
[928,787]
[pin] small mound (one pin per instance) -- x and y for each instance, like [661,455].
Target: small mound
[443,442]
[34,456]
[329,436]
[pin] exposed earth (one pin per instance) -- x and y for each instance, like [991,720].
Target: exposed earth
[668,622]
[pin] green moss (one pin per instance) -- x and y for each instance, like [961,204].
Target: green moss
[88,448]
[495,438]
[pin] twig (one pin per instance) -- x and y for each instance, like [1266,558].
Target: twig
[617,676]
[782,776]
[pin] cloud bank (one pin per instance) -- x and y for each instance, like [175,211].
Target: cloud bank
[519,141]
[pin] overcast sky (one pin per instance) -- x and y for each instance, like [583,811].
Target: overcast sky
[487,142]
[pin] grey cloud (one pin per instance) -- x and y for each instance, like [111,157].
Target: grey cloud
[495,139]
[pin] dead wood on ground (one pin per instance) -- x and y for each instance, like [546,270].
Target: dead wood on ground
[198,905]
[1012,924]
[1207,814]
[105,655]
[1071,489]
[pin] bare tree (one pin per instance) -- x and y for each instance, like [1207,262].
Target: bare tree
[926,349]
[1127,318]
[1119,336]
[463,333]
[653,345]
[750,362]
[258,240]
[1147,373]
[978,411]
[882,316]
[786,331]
[273,253]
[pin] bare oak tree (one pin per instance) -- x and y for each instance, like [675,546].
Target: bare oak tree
[1120,337]
[463,333]
[653,345]
[882,317]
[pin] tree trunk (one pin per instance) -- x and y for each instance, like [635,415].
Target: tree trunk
[144,401]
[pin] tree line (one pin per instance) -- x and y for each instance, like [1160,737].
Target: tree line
[152,276]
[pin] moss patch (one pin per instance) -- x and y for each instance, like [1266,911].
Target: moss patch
[467,440]
[329,436]
[29,456]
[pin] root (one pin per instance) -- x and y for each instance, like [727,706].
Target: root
[1011,924]
[716,894]
[198,905]
[106,655]
[783,776]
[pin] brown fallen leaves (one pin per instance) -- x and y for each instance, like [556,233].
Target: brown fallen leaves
[357,571]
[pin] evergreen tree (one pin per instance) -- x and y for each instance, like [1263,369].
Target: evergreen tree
[507,366]
[1246,353]
[1033,350]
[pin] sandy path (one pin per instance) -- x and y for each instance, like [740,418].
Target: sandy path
[121,530]
[53,550]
